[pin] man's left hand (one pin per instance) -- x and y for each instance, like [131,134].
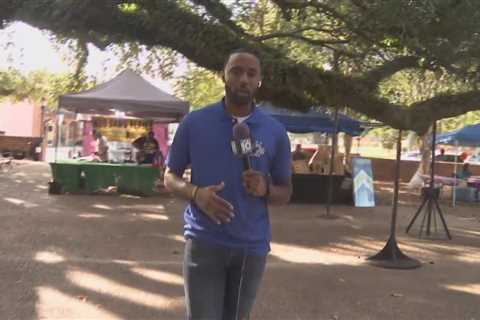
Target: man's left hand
[255,183]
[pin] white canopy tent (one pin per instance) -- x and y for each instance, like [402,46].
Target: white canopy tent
[128,92]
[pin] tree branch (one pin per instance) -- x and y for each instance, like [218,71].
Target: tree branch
[219,11]
[375,76]
[446,106]
[286,82]
[296,31]
[293,4]
[298,36]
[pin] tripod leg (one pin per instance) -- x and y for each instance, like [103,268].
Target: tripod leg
[429,218]
[416,214]
[435,226]
[443,220]
[422,225]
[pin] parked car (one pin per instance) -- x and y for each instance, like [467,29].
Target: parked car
[474,159]
[411,155]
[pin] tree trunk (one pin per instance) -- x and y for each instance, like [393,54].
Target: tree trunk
[425,151]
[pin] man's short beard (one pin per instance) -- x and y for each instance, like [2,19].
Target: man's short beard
[236,99]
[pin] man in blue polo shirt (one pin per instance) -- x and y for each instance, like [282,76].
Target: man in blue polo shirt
[227,227]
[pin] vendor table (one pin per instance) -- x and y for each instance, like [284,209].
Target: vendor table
[91,177]
[474,182]
[444,181]
[313,188]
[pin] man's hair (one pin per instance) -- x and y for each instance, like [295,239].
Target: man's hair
[252,52]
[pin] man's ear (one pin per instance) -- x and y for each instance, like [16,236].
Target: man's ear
[259,84]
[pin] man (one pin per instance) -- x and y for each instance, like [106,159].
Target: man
[298,153]
[101,146]
[441,156]
[227,227]
[149,149]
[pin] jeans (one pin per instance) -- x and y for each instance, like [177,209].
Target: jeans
[220,283]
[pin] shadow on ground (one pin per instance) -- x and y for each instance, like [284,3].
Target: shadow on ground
[119,257]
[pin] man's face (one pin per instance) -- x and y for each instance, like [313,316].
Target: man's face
[242,78]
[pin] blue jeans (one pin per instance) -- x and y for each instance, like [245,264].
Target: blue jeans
[214,286]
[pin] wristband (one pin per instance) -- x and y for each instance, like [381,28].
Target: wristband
[194,193]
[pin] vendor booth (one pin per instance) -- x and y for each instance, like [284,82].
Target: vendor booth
[310,182]
[121,110]
[465,188]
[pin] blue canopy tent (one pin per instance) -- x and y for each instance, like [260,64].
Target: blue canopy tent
[315,120]
[466,136]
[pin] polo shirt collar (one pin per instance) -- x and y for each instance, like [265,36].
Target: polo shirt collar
[225,116]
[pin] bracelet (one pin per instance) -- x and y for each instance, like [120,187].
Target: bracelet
[194,193]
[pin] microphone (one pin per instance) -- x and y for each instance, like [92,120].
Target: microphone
[242,145]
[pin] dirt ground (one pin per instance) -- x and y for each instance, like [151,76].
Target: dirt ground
[119,257]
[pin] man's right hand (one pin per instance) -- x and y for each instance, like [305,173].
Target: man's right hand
[214,206]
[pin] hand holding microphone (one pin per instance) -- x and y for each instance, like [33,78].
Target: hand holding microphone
[255,182]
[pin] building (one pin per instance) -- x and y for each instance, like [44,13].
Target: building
[20,119]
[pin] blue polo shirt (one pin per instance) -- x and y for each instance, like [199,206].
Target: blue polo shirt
[203,141]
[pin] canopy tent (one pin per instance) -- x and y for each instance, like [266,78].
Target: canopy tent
[128,92]
[466,136]
[315,120]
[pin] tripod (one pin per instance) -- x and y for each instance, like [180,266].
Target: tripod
[430,199]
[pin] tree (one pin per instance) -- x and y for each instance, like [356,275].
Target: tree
[7,84]
[41,86]
[374,40]
[199,86]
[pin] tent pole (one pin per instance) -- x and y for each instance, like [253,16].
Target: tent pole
[454,195]
[332,160]
[57,130]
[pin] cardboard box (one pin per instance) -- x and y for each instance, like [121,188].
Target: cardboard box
[300,166]
[338,167]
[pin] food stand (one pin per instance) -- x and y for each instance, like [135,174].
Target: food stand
[310,183]
[468,136]
[141,106]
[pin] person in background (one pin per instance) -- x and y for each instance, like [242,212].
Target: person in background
[298,154]
[441,156]
[101,146]
[465,173]
[463,156]
[149,149]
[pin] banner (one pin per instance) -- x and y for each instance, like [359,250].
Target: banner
[364,193]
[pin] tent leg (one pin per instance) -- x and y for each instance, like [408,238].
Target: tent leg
[454,195]
[57,136]
[331,169]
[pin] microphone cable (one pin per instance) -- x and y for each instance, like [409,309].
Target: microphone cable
[240,285]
